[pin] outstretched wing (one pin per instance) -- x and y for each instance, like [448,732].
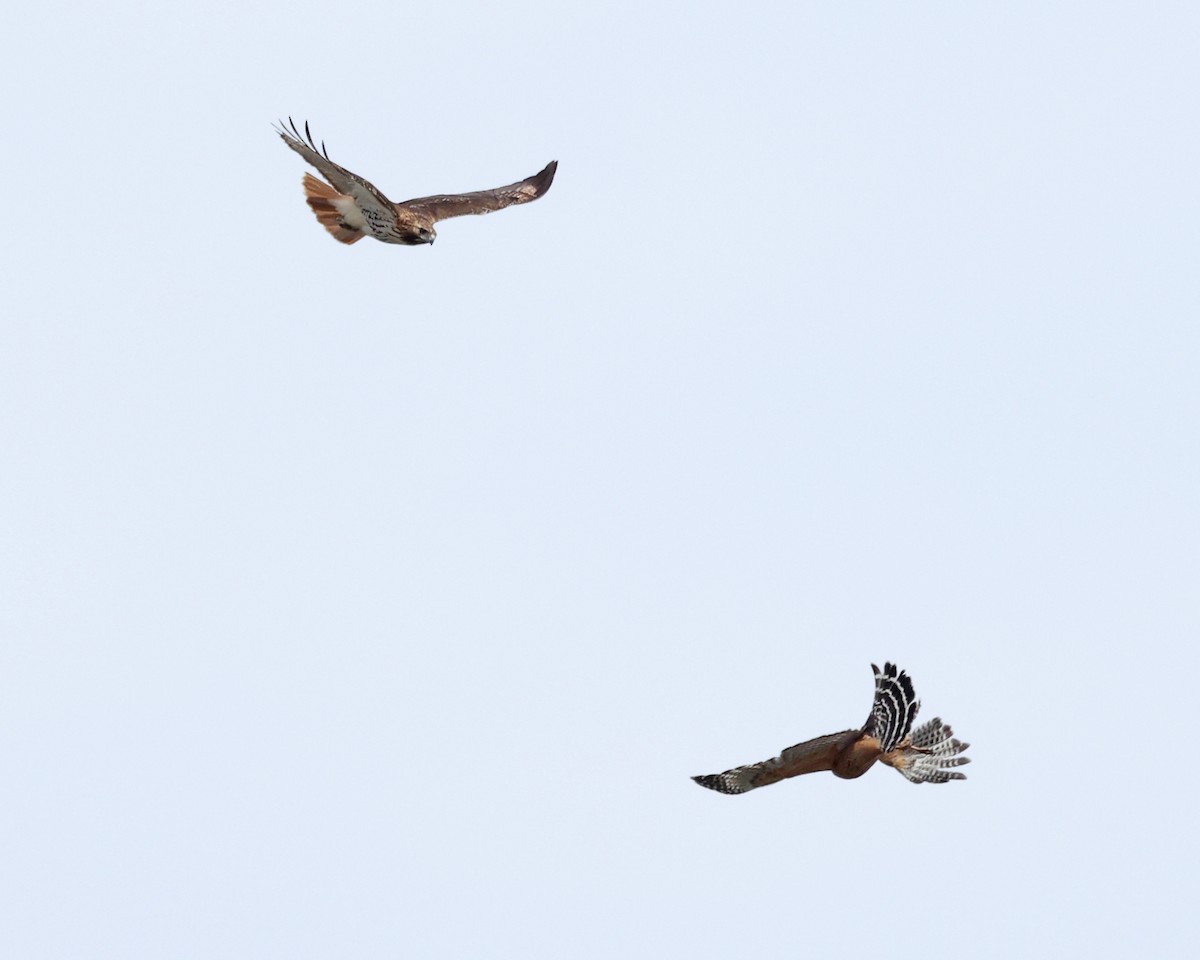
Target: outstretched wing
[895,707]
[808,757]
[483,201]
[366,195]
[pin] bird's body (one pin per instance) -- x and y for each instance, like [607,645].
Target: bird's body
[351,208]
[856,755]
[922,756]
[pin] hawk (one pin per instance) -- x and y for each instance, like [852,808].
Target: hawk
[923,756]
[350,208]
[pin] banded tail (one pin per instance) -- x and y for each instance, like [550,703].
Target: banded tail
[324,202]
[931,750]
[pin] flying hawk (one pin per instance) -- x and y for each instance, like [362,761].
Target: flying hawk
[352,208]
[922,757]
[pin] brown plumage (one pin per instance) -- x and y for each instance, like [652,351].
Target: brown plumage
[350,208]
[322,198]
[922,757]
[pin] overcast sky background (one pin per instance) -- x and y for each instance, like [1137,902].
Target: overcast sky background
[379,602]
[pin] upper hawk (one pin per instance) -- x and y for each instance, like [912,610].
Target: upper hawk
[923,756]
[350,208]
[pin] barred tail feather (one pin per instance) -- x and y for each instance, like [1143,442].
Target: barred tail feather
[930,753]
[322,198]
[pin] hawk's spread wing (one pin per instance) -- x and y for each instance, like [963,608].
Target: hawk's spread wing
[482,201]
[894,709]
[808,757]
[368,197]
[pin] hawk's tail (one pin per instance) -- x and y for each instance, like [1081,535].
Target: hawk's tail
[321,197]
[929,754]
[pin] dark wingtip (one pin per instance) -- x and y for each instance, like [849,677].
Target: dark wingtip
[719,783]
[546,177]
[893,672]
[281,128]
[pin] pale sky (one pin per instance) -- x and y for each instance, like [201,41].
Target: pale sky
[372,601]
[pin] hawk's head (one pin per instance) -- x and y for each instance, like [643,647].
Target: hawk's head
[414,234]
